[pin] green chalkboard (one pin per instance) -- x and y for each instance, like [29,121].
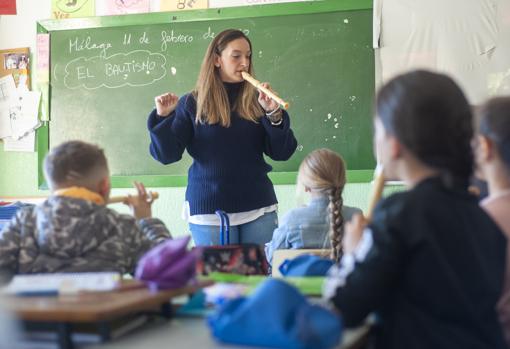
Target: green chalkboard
[105,72]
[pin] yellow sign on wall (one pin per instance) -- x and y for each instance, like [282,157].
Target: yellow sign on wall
[72,8]
[174,5]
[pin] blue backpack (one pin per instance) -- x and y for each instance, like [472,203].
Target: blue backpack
[276,315]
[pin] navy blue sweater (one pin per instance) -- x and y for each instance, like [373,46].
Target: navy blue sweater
[228,171]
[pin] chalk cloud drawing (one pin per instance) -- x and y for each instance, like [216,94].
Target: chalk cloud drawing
[136,68]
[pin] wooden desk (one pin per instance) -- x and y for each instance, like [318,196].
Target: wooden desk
[99,308]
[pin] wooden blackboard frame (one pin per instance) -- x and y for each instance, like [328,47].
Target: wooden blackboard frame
[50,26]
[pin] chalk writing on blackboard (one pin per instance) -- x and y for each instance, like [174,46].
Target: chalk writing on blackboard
[136,68]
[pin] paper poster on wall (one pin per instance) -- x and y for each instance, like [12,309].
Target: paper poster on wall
[43,58]
[72,8]
[15,62]
[9,105]
[231,3]
[175,5]
[25,144]
[7,7]
[121,7]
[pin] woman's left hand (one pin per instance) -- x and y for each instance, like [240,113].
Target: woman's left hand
[267,103]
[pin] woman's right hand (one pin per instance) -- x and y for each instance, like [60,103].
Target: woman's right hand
[166,103]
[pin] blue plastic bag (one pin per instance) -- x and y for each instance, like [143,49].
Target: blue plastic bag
[276,315]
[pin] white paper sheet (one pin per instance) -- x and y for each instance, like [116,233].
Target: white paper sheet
[9,105]
[25,144]
[27,120]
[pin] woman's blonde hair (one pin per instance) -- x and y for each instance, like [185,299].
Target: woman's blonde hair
[323,171]
[212,100]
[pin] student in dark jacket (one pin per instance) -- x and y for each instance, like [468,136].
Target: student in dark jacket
[73,230]
[431,262]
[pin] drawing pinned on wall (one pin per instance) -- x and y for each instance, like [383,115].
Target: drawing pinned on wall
[121,7]
[72,8]
[177,5]
[136,68]
[43,58]
[9,105]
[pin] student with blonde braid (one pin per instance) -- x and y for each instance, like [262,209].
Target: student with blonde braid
[320,223]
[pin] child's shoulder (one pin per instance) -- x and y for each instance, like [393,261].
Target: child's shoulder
[304,214]
[120,218]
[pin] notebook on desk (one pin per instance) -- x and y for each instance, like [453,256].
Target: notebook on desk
[62,283]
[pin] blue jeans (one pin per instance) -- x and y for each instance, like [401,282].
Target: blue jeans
[258,231]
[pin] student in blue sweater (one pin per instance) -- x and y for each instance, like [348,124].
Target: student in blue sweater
[320,224]
[226,127]
[431,262]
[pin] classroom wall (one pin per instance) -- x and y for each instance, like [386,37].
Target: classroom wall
[467,39]
[18,175]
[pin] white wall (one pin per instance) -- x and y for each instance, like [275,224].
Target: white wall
[467,39]
[20,30]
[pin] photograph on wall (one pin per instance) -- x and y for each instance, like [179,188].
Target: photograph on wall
[16,62]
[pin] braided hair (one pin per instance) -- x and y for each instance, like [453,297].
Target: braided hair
[336,230]
[323,171]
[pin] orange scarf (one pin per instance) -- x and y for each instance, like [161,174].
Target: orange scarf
[80,193]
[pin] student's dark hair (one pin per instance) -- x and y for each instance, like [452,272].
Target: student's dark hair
[494,123]
[73,162]
[429,114]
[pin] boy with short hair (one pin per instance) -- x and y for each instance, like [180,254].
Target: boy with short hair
[73,230]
